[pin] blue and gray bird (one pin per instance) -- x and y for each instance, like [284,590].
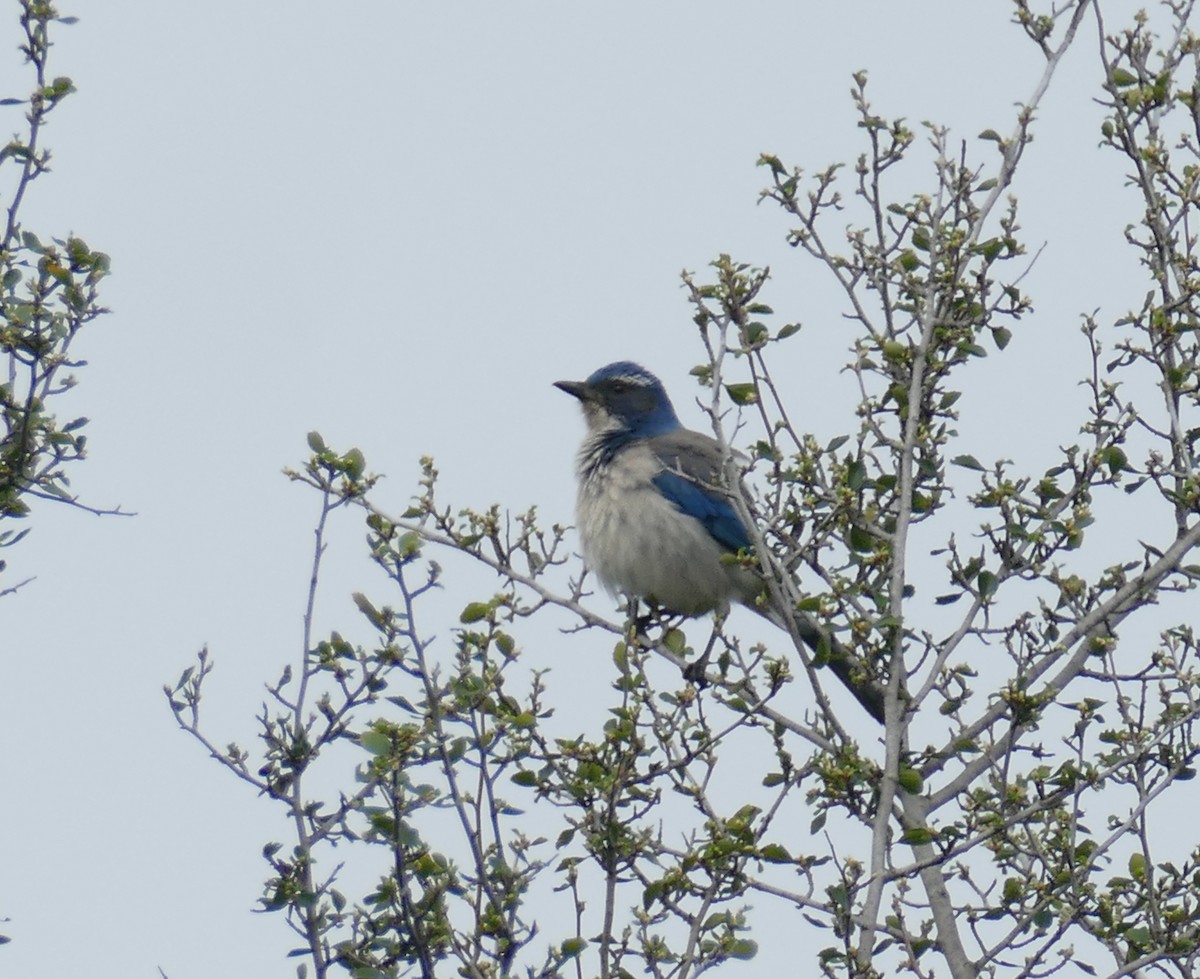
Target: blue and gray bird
[655,520]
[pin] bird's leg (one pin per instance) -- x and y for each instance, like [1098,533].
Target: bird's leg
[641,623]
[697,671]
[654,616]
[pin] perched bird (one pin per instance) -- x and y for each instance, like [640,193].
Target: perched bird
[655,521]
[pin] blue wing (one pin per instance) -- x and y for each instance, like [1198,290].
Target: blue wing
[691,467]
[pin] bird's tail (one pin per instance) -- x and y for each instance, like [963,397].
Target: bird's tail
[830,652]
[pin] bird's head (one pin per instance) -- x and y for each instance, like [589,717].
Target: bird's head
[623,397]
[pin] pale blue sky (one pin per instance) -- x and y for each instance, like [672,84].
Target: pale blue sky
[399,224]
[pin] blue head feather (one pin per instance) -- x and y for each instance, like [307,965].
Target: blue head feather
[632,397]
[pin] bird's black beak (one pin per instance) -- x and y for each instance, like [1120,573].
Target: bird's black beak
[576,389]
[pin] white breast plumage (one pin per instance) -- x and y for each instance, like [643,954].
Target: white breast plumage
[638,542]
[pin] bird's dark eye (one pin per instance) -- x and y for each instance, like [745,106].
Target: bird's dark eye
[619,387]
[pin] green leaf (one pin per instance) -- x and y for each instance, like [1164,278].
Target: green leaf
[365,606]
[375,742]
[968,462]
[860,540]
[1001,334]
[774,853]
[743,948]
[917,836]
[474,612]
[910,781]
[991,248]
[742,394]
[746,814]
[1121,78]
[1139,937]
[988,583]
[856,474]
[769,160]
[354,463]
[675,641]
[315,442]
[756,334]
[571,947]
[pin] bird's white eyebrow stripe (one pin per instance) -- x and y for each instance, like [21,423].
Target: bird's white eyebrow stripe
[639,379]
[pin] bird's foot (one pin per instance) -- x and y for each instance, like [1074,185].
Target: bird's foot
[697,671]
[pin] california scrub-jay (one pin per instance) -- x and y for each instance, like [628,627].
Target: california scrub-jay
[654,520]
